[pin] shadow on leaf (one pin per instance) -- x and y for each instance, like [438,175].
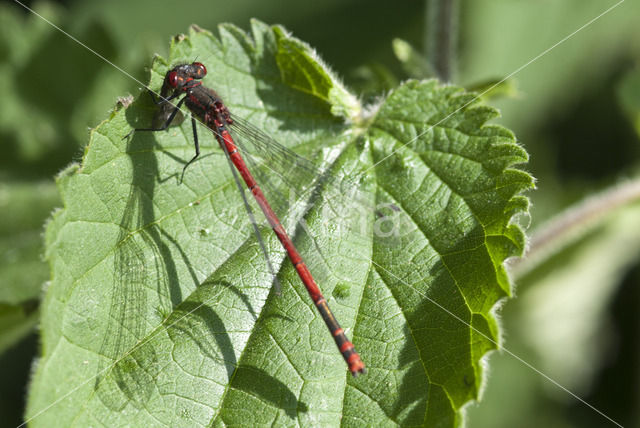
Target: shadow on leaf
[265,387]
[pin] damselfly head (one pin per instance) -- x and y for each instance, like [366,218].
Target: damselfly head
[182,76]
[173,79]
[199,70]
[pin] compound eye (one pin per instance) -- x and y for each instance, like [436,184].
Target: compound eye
[201,70]
[173,79]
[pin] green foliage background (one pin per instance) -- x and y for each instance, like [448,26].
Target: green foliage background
[577,111]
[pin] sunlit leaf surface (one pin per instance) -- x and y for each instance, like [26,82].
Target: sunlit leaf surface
[162,312]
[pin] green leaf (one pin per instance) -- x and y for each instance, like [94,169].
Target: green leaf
[162,310]
[24,205]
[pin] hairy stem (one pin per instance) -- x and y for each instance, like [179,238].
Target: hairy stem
[572,224]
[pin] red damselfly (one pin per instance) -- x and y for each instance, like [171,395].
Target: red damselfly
[207,107]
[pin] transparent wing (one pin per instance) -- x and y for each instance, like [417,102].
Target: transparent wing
[292,183]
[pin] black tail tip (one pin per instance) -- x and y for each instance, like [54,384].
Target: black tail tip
[358,371]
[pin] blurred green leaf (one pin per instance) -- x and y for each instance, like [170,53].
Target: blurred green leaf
[560,322]
[413,63]
[501,36]
[574,265]
[373,80]
[22,270]
[16,322]
[628,91]
[161,309]
[49,99]
[495,89]
[20,40]
[565,305]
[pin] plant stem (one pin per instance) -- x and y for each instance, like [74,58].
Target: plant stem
[573,224]
[441,36]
